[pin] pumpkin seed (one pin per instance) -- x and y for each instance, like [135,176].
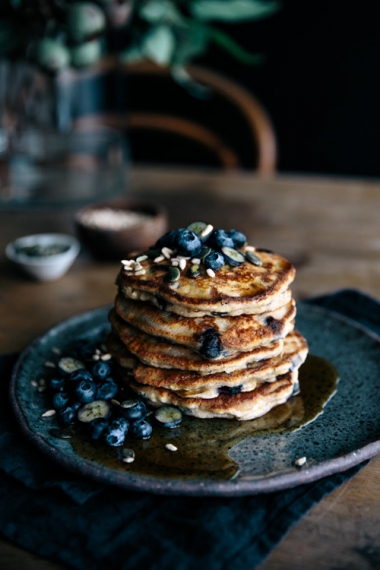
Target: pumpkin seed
[253,258]
[173,274]
[194,271]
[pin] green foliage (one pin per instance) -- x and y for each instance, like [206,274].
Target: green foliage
[58,33]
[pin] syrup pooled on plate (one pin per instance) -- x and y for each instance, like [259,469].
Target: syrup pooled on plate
[203,445]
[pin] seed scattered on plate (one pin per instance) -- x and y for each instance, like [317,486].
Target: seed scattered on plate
[105,357]
[34,384]
[50,364]
[171,447]
[48,414]
[56,350]
[210,272]
[300,461]
[42,388]
[128,455]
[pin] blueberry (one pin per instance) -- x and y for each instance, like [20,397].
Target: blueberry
[97,427]
[85,391]
[219,239]
[214,260]
[60,400]
[211,346]
[116,431]
[141,430]
[188,243]
[133,410]
[168,240]
[101,370]
[67,415]
[57,384]
[80,374]
[107,390]
[237,237]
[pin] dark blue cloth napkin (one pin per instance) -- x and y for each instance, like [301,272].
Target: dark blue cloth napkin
[83,524]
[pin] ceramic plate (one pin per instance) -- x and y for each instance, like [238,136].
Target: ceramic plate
[347,432]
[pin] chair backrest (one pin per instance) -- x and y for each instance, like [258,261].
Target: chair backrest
[165,123]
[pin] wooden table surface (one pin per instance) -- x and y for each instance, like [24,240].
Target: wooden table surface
[329,228]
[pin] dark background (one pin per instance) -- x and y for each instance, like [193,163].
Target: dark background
[320,83]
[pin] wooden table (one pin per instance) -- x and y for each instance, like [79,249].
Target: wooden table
[328,228]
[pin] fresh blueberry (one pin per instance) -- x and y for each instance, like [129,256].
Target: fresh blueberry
[116,431]
[133,410]
[85,391]
[214,260]
[67,415]
[188,243]
[237,237]
[57,384]
[101,371]
[79,375]
[107,390]
[141,430]
[168,240]
[97,427]
[60,400]
[219,239]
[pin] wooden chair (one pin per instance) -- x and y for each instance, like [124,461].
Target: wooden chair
[165,123]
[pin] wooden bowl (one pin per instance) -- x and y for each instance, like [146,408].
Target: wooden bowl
[111,230]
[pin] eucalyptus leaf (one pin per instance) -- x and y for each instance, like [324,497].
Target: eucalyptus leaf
[192,43]
[156,11]
[232,10]
[159,44]
[234,49]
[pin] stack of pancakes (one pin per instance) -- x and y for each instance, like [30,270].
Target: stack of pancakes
[221,344]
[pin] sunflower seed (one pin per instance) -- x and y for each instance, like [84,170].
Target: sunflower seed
[196,261]
[105,357]
[48,414]
[182,264]
[210,272]
[141,258]
[56,350]
[158,259]
[208,229]
[140,272]
[171,447]
[300,461]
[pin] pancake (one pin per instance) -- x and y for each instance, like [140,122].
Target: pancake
[244,289]
[212,336]
[154,351]
[242,406]
[120,353]
[191,385]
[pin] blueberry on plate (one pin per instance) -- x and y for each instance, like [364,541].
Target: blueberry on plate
[214,261]
[115,433]
[57,384]
[219,239]
[107,390]
[237,237]
[97,427]
[141,430]
[60,400]
[188,243]
[79,375]
[168,416]
[133,410]
[101,370]
[67,416]
[84,391]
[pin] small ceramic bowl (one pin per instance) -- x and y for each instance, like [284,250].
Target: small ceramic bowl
[111,230]
[44,257]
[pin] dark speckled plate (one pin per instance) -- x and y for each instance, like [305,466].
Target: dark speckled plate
[347,433]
